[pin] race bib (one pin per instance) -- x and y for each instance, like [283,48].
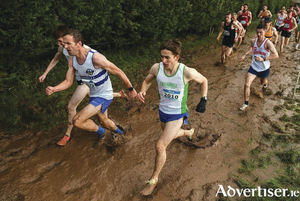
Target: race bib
[243,22]
[170,94]
[226,33]
[286,26]
[90,84]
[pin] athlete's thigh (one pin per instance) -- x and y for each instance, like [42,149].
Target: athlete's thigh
[228,51]
[102,116]
[88,111]
[249,78]
[170,130]
[79,94]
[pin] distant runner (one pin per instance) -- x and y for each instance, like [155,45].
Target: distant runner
[271,32]
[260,66]
[279,20]
[238,35]
[173,80]
[298,31]
[245,17]
[264,13]
[229,39]
[289,24]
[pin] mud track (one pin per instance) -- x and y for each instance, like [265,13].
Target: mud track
[33,167]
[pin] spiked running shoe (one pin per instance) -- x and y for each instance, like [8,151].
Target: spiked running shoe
[98,140]
[192,136]
[63,141]
[244,106]
[124,95]
[149,187]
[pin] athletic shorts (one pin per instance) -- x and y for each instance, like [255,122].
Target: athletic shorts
[286,34]
[228,43]
[245,27]
[96,101]
[278,29]
[262,74]
[164,118]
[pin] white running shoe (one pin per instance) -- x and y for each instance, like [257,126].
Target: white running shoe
[244,106]
[297,46]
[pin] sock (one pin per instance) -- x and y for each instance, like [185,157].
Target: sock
[118,130]
[100,131]
[247,102]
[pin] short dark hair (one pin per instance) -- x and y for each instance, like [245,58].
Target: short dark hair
[59,31]
[173,45]
[246,4]
[261,26]
[76,35]
[228,13]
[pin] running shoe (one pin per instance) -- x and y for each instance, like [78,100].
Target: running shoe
[192,136]
[244,106]
[297,46]
[264,88]
[64,141]
[149,187]
[98,140]
[124,95]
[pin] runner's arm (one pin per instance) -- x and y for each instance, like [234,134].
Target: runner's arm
[274,53]
[270,14]
[221,31]
[192,74]
[100,61]
[259,15]
[250,18]
[52,64]
[275,33]
[294,25]
[66,83]
[147,83]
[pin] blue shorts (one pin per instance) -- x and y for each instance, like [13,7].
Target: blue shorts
[164,118]
[262,74]
[96,101]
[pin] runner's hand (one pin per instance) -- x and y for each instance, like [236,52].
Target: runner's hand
[42,78]
[141,96]
[132,94]
[201,107]
[49,90]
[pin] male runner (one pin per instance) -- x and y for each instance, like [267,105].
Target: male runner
[229,39]
[245,17]
[298,31]
[237,34]
[81,91]
[264,13]
[271,32]
[279,20]
[92,68]
[260,66]
[289,24]
[173,79]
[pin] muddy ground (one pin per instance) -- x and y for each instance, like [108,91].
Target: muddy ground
[33,167]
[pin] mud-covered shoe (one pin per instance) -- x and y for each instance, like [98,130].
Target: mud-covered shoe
[264,88]
[244,106]
[64,141]
[124,95]
[99,140]
[192,136]
[149,187]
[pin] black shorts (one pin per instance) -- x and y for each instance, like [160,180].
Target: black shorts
[228,44]
[286,34]
[278,29]
[245,27]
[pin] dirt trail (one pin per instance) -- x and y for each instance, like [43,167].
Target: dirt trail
[34,168]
